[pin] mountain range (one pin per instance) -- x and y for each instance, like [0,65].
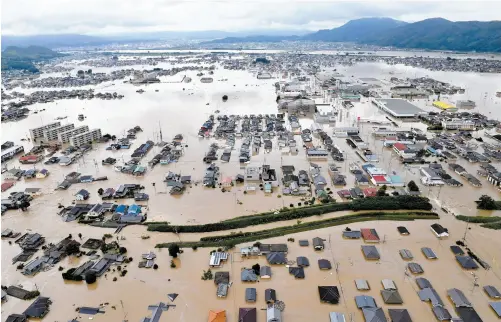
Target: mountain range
[432,34]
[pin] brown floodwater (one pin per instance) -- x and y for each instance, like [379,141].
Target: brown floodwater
[175,110]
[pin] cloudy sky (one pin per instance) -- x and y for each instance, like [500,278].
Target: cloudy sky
[101,17]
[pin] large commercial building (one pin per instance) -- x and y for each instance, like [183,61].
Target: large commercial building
[38,132]
[445,106]
[397,107]
[85,138]
[64,137]
[458,124]
[408,92]
[52,134]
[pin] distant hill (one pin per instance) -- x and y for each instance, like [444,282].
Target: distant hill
[442,34]
[22,58]
[52,41]
[356,30]
[433,34]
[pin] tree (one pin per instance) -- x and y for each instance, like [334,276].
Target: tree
[90,277]
[382,191]
[72,248]
[80,235]
[100,191]
[122,250]
[421,153]
[174,250]
[412,186]
[487,203]
[256,268]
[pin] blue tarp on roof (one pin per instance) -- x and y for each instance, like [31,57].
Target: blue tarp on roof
[396,179]
[121,209]
[134,210]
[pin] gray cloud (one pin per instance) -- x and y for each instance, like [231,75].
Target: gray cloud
[100,17]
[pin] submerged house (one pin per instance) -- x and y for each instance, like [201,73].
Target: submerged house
[82,195]
[273,314]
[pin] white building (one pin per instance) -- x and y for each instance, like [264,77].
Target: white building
[85,138]
[458,124]
[252,173]
[52,134]
[263,76]
[206,79]
[38,132]
[64,137]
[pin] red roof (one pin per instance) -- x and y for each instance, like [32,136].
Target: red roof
[380,179]
[7,185]
[399,146]
[370,192]
[28,157]
[369,234]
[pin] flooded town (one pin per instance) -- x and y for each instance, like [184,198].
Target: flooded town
[168,184]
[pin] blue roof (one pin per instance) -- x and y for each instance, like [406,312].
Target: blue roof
[83,192]
[121,209]
[134,209]
[396,179]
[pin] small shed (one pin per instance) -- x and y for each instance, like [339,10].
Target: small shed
[415,268]
[324,264]
[328,294]
[370,252]
[466,262]
[265,272]
[403,230]
[391,297]
[406,254]
[362,285]
[250,294]
[399,315]
[304,243]
[492,292]
[302,261]
[270,295]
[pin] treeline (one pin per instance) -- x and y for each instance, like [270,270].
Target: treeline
[486,222]
[230,240]
[375,203]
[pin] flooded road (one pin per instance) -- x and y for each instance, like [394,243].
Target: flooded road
[181,108]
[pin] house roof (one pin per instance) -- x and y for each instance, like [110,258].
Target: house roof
[247,315]
[423,283]
[250,294]
[302,261]
[362,285]
[428,252]
[466,262]
[429,294]
[265,271]
[388,284]
[458,298]
[16,318]
[39,308]
[438,228]
[248,275]
[369,234]
[492,292]
[406,254]
[400,146]
[370,252]
[270,294]
[354,234]
[82,192]
[374,314]
[441,313]
[217,316]
[329,294]
[297,272]
[391,297]
[496,306]
[399,315]
[304,242]
[276,258]
[317,241]
[403,230]
[221,277]
[365,301]
[415,268]
[324,264]
[457,250]
[336,317]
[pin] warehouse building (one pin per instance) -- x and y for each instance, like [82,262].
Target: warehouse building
[38,132]
[398,108]
[64,137]
[52,134]
[85,138]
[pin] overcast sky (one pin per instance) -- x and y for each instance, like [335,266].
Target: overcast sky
[101,17]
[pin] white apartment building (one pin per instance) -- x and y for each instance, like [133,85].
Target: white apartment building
[38,132]
[52,134]
[458,124]
[64,137]
[85,138]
